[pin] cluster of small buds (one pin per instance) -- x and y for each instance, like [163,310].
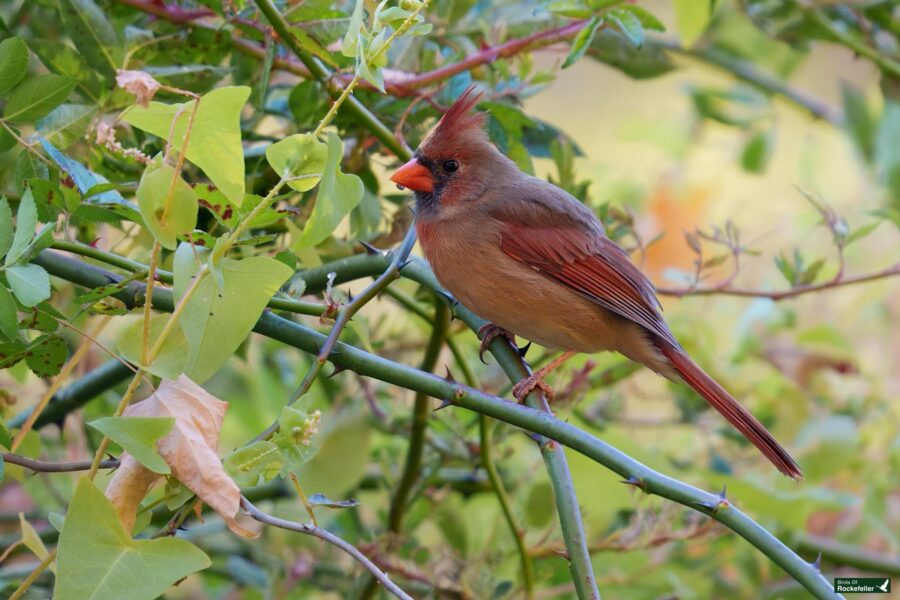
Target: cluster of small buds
[303,434]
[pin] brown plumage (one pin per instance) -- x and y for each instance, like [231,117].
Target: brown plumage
[534,261]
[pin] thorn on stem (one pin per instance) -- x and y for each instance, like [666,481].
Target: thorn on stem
[817,564]
[445,402]
[370,249]
[524,349]
[636,482]
[449,376]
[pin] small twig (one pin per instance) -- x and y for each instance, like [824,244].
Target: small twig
[329,537]
[306,505]
[23,587]
[780,295]
[40,466]
[57,382]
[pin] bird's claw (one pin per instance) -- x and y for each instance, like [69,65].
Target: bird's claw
[488,332]
[535,381]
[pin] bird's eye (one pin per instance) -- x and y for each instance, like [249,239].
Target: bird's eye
[450,165]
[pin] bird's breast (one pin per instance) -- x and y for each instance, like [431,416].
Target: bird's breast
[468,262]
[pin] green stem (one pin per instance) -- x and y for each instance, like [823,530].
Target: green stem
[846,554]
[750,73]
[487,462]
[886,64]
[421,412]
[378,129]
[300,307]
[542,423]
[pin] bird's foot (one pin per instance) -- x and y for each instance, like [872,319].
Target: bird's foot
[488,332]
[535,381]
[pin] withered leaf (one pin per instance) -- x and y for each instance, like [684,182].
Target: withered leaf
[189,449]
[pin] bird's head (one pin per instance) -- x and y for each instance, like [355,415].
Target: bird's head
[455,163]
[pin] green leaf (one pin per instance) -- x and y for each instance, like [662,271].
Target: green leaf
[355,29]
[9,323]
[66,124]
[338,194]
[62,59]
[172,358]
[5,439]
[610,47]
[692,18]
[26,220]
[33,541]
[215,141]
[37,97]
[582,42]
[301,156]
[138,436]
[46,355]
[93,34]
[648,20]
[323,500]
[98,559]
[217,321]
[13,63]
[758,151]
[30,283]
[862,232]
[629,24]
[153,196]
[858,120]
[6,227]
[260,460]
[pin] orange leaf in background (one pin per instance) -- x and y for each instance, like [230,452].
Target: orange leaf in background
[189,449]
[673,211]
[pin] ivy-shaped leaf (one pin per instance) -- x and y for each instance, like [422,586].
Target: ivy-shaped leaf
[215,142]
[171,360]
[153,196]
[259,461]
[338,194]
[138,436]
[216,321]
[300,156]
[98,559]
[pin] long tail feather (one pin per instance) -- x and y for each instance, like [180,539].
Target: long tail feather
[736,414]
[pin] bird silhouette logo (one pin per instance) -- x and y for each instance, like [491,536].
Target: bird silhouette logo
[884,586]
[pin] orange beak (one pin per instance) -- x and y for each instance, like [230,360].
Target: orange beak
[415,176]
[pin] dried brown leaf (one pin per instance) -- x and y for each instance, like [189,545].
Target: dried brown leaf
[189,449]
[139,83]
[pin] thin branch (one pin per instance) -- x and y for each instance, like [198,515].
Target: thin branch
[847,554]
[784,294]
[748,72]
[542,423]
[421,411]
[324,76]
[329,537]
[40,466]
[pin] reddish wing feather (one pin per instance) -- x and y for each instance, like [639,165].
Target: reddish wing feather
[593,266]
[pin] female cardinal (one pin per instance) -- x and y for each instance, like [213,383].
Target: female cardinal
[535,262]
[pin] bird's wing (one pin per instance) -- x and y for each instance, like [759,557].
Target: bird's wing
[592,265]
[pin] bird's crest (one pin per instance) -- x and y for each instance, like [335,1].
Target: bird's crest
[458,128]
